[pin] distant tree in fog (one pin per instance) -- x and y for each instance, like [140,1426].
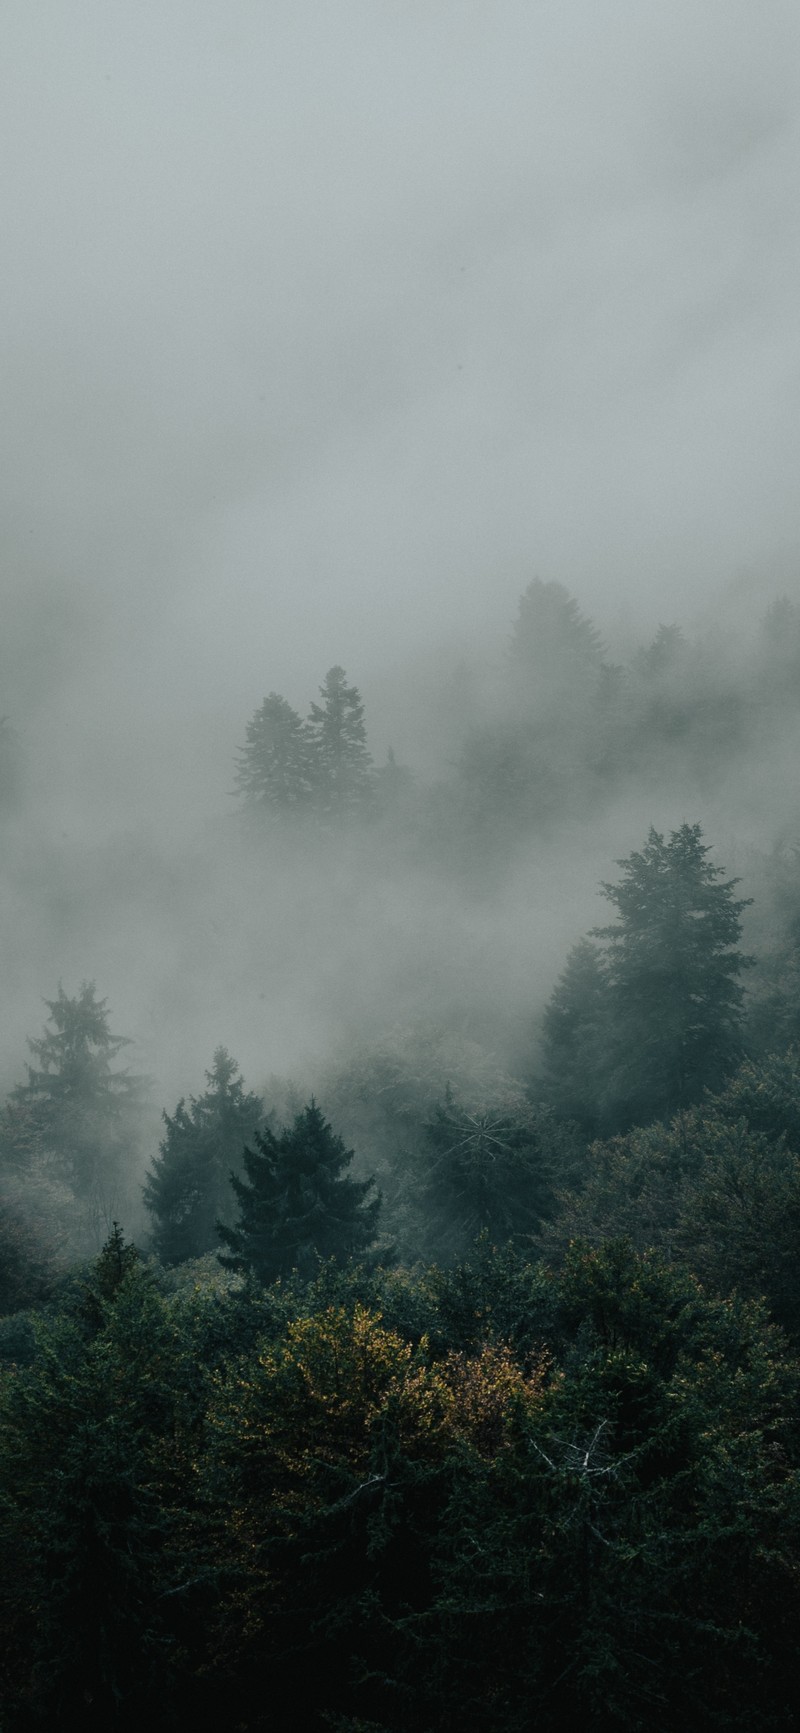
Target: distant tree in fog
[77,1116]
[188,1187]
[276,771]
[553,644]
[342,763]
[394,787]
[297,1205]
[575,1036]
[674,995]
[322,765]
[638,1029]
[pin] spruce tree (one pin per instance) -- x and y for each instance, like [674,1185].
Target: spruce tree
[482,1171]
[276,767]
[575,1037]
[297,1205]
[188,1186]
[675,1000]
[77,1118]
[553,644]
[343,766]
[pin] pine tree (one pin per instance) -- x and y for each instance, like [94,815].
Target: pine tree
[188,1186]
[276,770]
[77,1116]
[343,766]
[296,1204]
[481,1171]
[575,1040]
[553,644]
[675,1000]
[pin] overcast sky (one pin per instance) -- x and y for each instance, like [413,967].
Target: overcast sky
[326,327]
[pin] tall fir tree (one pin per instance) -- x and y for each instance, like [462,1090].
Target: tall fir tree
[188,1187]
[575,1037]
[554,648]
[77,1116]
[673,966]
[297,1205]
[480,1171]
[276,771]
[343,766]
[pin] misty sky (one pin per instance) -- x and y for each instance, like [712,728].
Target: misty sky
[327,327]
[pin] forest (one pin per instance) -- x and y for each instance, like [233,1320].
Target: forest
[448,1379]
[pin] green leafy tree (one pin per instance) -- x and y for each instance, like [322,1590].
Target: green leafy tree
[77,1115]
[342,763]
[675,1000]
[188,1187]
[276,771]
[297,1205]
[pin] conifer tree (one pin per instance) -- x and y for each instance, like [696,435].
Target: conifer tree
[77,1117]
[481,1172]
[575,1037]
[343,766]
[553,643]
[188,1187]
[276,769]
[296,1204]
[675,1000]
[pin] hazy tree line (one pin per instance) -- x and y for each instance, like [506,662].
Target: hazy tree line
[443,1398]
[555,729]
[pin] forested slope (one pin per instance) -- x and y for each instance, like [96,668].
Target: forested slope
[450,1380]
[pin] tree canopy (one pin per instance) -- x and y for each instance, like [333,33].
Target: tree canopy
[297,1205]
[641,1023]
[320,765]
[188,1188]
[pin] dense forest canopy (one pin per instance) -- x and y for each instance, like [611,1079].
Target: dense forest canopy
[448,1375]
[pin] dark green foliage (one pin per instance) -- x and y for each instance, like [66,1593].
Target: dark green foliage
[717,1188]
[29,1263]
[637,1029]
[765,1092]
[77,1120]
[739,1223]
[575,1037]
[384,1098]
[86,1514]
[115,1262]
[188,1188]
[491,1498]
[480,1170]
[675,1001]
[297,1207]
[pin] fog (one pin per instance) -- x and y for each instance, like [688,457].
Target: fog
[326,330]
